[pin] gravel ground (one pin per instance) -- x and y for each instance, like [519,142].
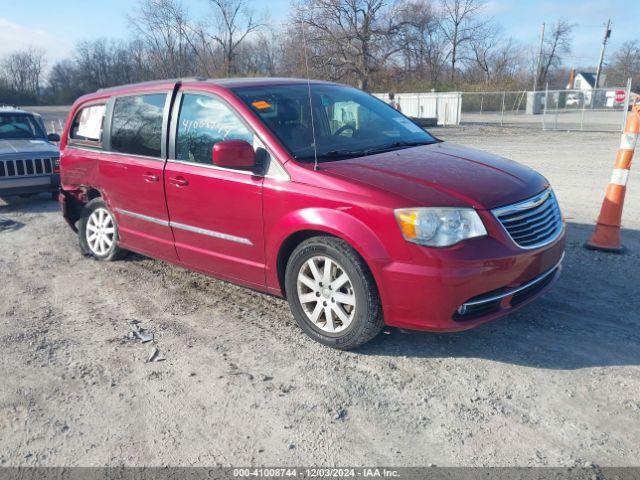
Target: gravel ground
[555,384]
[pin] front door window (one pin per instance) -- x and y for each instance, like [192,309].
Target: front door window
[202,122]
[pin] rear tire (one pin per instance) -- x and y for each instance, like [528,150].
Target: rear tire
[98,232]
[332,293]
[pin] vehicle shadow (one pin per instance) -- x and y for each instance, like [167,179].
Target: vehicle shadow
[40,203]
[134,257]
[8,225]
[590,318]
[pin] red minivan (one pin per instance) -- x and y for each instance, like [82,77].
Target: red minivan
[312,191]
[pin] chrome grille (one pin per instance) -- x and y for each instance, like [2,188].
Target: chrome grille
[28,167]
[534,222]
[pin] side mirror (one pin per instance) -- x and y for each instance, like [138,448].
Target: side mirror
[233,154]
[53,137]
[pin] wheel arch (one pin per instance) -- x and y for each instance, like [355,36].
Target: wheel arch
[308,223]
[75,200]
[288,246]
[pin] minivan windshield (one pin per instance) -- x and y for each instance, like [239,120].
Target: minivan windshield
[19,126]
[347,122]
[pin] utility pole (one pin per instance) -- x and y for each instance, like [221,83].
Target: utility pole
[539,61]
[607,34]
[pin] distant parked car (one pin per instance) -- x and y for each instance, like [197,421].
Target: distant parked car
[29,161]
[573,100]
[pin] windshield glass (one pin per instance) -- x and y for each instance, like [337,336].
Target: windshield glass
[347,122]
[14,126]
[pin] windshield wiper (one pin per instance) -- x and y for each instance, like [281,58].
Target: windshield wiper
[394,146]
[333,155]
[342,154]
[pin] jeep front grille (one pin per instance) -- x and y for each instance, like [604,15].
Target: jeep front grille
[534,222]
[27,168]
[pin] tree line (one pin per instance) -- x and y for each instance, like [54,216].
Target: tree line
[383,45]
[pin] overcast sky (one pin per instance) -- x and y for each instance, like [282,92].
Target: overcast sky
[57,25]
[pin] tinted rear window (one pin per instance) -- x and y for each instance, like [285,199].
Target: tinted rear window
[136,127]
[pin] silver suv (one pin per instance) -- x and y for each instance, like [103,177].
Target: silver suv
[29,161]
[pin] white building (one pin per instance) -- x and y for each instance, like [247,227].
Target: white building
[583,84]
[585,81]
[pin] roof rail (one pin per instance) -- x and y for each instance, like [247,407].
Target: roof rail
[152,82]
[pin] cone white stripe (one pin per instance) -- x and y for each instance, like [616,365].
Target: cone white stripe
[620,176]
[628,141]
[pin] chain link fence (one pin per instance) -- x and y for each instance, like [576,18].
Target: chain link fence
[602,109]
[502,108]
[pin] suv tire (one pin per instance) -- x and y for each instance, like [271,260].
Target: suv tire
[332,293]
[98,232]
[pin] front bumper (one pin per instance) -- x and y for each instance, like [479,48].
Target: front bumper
[491,279]
[506,298]
[11,186]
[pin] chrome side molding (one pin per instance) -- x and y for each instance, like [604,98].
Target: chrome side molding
[211,233]
[189,228]
[139,216]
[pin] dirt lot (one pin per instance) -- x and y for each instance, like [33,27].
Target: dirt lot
[556,384]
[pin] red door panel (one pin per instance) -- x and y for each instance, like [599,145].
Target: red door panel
[134,189]
[216,218]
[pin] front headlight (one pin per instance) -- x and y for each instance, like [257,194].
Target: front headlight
[439,227]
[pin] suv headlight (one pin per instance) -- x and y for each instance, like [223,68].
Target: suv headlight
[439,227]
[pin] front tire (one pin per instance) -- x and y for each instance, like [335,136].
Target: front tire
[332,293]
[98,232]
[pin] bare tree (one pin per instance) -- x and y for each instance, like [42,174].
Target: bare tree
[381,44]
[556,45]
[235,21]
[103,63]
[423,44]
[64,82]
[497,58]
[261,56]
[460,24]
[350,38]
[163,27]
[23,70]
[483,46]
[625,64]
[291,52]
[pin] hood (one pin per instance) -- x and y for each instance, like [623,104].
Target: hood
[443,174]
[18,147]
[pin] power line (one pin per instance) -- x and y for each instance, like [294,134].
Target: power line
[586,57]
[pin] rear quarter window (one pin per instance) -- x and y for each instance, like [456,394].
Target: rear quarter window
[136,127]
[87,125]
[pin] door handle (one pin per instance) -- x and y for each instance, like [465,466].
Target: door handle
[150,177]
[179,181]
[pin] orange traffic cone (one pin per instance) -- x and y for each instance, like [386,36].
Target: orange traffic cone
[607,234]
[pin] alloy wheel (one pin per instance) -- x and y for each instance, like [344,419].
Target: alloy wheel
[326,294]
[100,231]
